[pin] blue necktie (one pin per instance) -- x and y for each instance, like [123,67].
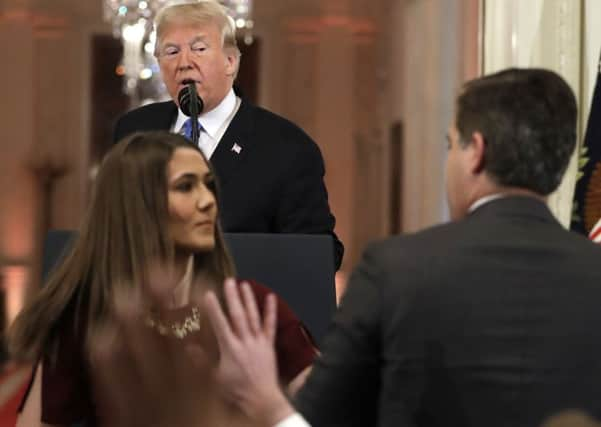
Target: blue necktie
[187,129]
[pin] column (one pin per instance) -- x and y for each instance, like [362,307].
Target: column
[43,137]
[18,204]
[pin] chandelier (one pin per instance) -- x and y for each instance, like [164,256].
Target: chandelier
[132,21]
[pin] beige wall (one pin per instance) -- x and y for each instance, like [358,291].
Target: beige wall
[344,70]
[44,129]
[17,185]
[434,48]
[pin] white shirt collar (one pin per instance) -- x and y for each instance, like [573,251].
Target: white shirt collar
[484,200]
[211,121]
[293,420]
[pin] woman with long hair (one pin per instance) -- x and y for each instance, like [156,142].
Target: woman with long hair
[153,217]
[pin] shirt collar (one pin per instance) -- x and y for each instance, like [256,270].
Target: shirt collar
[213,120]
[484,200]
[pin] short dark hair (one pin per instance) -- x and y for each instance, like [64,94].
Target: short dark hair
[528,120]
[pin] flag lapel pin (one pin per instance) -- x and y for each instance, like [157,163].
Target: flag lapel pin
[236,148]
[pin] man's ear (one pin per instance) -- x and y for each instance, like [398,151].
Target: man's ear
[232,59]
[478,152]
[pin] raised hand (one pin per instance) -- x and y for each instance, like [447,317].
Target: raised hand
[247,372]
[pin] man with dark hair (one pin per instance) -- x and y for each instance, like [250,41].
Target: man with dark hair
[490,320]
[535,133]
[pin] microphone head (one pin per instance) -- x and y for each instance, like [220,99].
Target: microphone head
[188,99]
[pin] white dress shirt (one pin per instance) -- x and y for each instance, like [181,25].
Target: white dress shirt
[294,420]
[214,123]
[484,200]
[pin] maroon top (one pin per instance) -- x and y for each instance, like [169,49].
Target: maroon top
[66,389]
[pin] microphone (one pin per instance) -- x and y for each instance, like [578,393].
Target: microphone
[191,105]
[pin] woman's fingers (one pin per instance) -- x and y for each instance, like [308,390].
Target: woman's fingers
[244,318]
[218,320]
[238,317]
[270,318]
[252,312]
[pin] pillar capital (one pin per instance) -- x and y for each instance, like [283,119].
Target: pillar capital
[310,29]
[42,24]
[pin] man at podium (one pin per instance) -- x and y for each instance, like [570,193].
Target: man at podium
[270,171]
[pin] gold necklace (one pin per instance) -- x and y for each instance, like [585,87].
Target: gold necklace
[191,323]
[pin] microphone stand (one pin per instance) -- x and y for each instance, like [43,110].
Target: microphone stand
[194,112]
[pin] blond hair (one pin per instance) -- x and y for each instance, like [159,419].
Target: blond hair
[201,12]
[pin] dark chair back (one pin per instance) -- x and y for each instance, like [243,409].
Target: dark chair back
[299,268]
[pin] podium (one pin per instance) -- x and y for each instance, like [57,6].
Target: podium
[298,267]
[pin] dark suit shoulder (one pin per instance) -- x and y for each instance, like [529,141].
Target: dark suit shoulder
[149,109]
[517,240]
[280,141]
[155,116]
[422,243]
[268,122]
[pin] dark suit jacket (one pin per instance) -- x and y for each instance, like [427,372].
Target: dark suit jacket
[274,185]
[489,321]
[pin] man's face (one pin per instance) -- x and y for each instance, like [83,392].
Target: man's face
[456,175]
[194,52]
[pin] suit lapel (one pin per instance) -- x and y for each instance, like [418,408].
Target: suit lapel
[166,116]
[235,144]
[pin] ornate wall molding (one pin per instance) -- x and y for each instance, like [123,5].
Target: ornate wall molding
[43,25]
[308,29]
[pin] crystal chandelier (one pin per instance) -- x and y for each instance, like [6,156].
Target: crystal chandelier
[241,11]
[124,14]
[132,21]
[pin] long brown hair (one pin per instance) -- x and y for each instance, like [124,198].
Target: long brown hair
[124,229]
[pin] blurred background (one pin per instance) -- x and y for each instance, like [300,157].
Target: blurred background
[372,81]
